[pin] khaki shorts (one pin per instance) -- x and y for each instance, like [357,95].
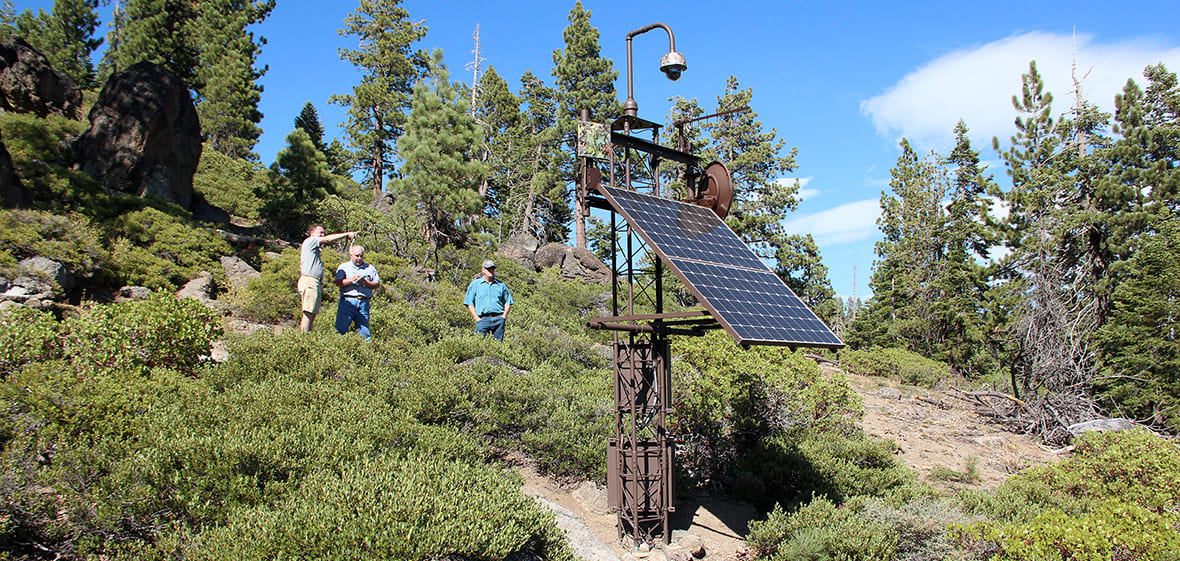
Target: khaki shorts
[309,293]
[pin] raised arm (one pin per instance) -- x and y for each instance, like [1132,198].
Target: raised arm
[329,238]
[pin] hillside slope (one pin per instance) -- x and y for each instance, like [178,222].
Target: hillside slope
[932,429]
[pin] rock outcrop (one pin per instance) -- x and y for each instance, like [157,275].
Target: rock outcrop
[28,84]
[12,193]
[238,271]
[575,263]
[144,136]
[40,282]
[200,289]
[521,248]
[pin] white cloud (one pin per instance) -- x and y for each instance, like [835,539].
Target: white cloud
[977,85]
[847,223]
[804,193]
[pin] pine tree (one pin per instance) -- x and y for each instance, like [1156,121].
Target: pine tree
[440,147]
[154,31]
[498,112]
[694,141]
[309,120]
[960,280]
[1144,177]
[754,157]
[377,106]
[912,221]
[585,80]
[547,212]
[226,79]
[300,179]
[1050,319]
[1140,347]
[65,36]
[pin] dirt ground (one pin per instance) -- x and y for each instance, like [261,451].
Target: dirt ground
[933,429]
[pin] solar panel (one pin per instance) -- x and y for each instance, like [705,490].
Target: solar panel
[738,289]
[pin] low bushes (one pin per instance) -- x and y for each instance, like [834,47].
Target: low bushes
[392,508]
[896,364]
[821,530]
[788,469]
[163,252]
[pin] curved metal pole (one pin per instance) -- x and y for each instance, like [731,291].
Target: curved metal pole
[630,107]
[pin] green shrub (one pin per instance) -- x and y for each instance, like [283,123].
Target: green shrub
[71,429]
[27,335]
[40,152]
[1114,530]
[1116,497]
[418,312]
[727,399]
[397,509]
[163,252]
[228,183]
[69,240]
[558,415]
[1135,467]
[896,364]
[970,473]
[922,523]
[162,331]
[820,530]
[790,468]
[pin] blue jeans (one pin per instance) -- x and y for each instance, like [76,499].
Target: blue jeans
[491,324]
[353,310]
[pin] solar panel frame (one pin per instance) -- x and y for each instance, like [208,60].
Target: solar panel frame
[745,297]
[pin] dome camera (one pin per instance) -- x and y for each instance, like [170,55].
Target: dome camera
[672,65]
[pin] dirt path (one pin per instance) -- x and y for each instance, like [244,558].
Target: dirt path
[932,429]
[936,430]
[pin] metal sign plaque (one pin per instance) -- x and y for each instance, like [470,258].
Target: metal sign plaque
[593,140]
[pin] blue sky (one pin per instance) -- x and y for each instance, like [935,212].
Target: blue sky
[841,81]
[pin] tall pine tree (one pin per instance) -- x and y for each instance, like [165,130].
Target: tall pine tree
[65,36]
[762,197]
[156,31]
[377,106]
[226,76]
[911,222]
[585,80]
[441,147]
[1051,317]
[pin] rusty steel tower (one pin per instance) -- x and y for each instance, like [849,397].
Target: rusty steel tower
[681,233]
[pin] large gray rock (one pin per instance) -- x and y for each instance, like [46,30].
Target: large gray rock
[51,270]
[144,136]
[520,248]
[575,263]
[1102,425]
[239,272]
[41,282]
[581,263]
[200,289]
[28,84]
[12,193]
[550,255]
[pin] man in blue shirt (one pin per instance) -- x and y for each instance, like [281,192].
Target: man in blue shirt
[356,280]
[488,300]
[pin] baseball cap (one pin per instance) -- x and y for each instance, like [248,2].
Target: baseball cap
[489,264]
